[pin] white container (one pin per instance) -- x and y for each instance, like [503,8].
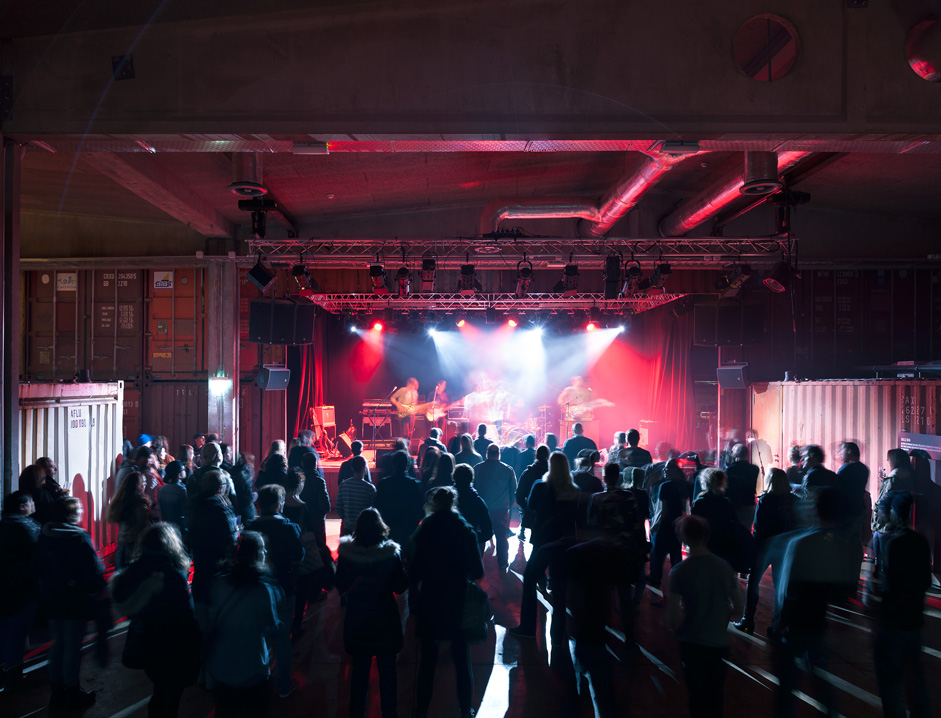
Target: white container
[79,426]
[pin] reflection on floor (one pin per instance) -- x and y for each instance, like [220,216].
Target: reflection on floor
[517,678]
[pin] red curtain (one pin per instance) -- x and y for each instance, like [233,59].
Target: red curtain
[309,378]
[667,342]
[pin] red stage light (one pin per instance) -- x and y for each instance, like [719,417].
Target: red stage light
[461,323]
[511,322]
[590,327]
[378,326]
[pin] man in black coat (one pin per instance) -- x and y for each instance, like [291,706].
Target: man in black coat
[527,455]
[742,486]
[816,476]
[400,500]
[305,439]
[482,442]
[634,455]
[213,532]
[283,544]
[576,443]
[531,474]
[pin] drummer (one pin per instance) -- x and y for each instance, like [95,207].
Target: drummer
[576,401]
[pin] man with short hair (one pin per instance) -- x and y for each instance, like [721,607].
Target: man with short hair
[634,455]
[305,441]
[704,595]
[482,442]
[531,474]
[853,481]
[405,399]
[354,495]
[496,484]
[283,544]
[527,455]
[400,500]
[742,486]
[584,477]
[816,476]
[576,443]
[346,468]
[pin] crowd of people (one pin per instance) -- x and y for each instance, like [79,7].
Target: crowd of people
[216,564]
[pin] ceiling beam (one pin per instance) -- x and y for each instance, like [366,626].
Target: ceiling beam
[143,176]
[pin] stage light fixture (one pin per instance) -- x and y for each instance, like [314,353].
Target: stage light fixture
[570,280]
[732,279]
[612,276]
[524,275]
[404,279]
[594,319]
[306,283]
[377,275]
[633,275]
[779,279]
[429,268]
[661,274]
[512,322]
[460,320]
[261,276]
[468,282]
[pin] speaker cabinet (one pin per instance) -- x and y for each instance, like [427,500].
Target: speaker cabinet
[281,321]
[732,376]
[727,324]
[326,415]
[272,378]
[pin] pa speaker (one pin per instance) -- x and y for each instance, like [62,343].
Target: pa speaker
[281,321]
[732,376]
[727,324]
[272,378]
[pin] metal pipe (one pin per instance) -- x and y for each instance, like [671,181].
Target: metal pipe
[711,201]
[535,208]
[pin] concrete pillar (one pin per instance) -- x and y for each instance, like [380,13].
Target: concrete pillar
[11,155]
[222,345]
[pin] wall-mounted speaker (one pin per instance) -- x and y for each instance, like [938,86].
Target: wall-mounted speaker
[728,324]
[273,378]
[732,376]
[281,321]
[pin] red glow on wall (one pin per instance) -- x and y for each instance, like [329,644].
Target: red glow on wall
[366,356]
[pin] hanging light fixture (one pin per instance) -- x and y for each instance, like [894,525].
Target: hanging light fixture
[524,275]
[261,276]
[468,281]
[429,268]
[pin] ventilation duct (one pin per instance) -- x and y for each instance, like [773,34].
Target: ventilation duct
[247,175]
[761,174]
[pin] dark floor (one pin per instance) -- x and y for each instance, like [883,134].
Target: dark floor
[516,678]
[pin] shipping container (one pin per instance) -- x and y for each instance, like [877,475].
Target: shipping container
[117,323]
[79,426]
[175,409]
[176,324]
[827,413]
[54,331]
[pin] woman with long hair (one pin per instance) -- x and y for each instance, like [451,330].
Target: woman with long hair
[775,515]
[243,622]
[164,638]
[445,556]
[429,462]
[443,473]
[713,505]
[130,510]
[187,456]
[369,575]
[277,447]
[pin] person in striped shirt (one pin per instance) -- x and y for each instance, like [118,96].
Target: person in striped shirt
[354,495]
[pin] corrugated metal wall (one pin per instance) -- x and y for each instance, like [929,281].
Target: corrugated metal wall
[80,427]
[871,413]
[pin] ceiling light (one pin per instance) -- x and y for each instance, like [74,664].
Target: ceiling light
[632,278]
[428,270]
[661,274]
[732,279]
[679,147]
[403,277]
[261,276]
[377,275]
[779,279]
[568,285]
[524,275]
[594,319]
[306,283]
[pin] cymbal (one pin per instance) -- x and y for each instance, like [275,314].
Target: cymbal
[543,407]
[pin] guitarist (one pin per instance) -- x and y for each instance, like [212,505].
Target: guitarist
[405,399]
[438,411]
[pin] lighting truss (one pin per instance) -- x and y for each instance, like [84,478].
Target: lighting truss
[552,253]
[504,302]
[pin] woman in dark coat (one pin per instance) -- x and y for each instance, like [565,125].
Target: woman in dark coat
[724,539]
[130,510]
[775,515]
[153,591]
[369,574]
[445,556]
[71,589]
[471,506]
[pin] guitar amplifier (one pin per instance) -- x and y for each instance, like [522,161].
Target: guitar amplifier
[326,416]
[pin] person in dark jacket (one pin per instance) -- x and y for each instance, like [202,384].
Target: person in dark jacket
[634,455]
[283,543]
[172,496]
[346,468]
[903,577]
[576,443]
[720,515]
[274,472]
[130,510]
[243,476]
[399,499]
[71,588]
[669,499]
[496,483]
[445,556]
[467,455]
[816,475]
[471,505]
[369,574]
[853,477]
[531,474]
[585,478]
[18,599]
[153,592]
[316,497]
[742,477]
[443,474]
[213,532]
[482,442]
[775,516]
[33,480]
[305,439]
[527,455]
